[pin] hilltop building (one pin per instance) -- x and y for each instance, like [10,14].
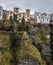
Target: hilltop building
[19,14]
[42,18]
[37,17]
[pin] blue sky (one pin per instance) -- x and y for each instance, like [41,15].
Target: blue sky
[34,5]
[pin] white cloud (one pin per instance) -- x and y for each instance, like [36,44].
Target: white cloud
[34,5]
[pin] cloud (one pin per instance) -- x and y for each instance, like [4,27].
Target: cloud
[34,5]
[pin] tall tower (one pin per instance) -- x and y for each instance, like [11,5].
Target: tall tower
[28,12]
[16,13]
[1,12]
[16,10]
[27,15]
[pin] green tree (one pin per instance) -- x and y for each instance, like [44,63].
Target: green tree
[21,25]
[11,20]
[6,26]
[1,26]
[14,18]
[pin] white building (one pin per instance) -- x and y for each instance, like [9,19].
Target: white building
[1,12]
[42,18]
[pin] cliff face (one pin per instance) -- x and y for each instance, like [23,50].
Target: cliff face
[31,47]
[40,35]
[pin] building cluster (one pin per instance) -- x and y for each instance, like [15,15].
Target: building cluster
[37,17]
[5,14]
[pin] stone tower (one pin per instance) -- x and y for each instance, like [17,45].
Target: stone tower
[28,12]
[16,10]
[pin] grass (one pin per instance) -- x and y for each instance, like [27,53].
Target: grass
[4,40]
[27,48]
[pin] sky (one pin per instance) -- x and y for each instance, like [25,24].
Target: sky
[34,5]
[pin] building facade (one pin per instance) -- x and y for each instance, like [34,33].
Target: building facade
[42,18]
[19,14]
[37,17]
